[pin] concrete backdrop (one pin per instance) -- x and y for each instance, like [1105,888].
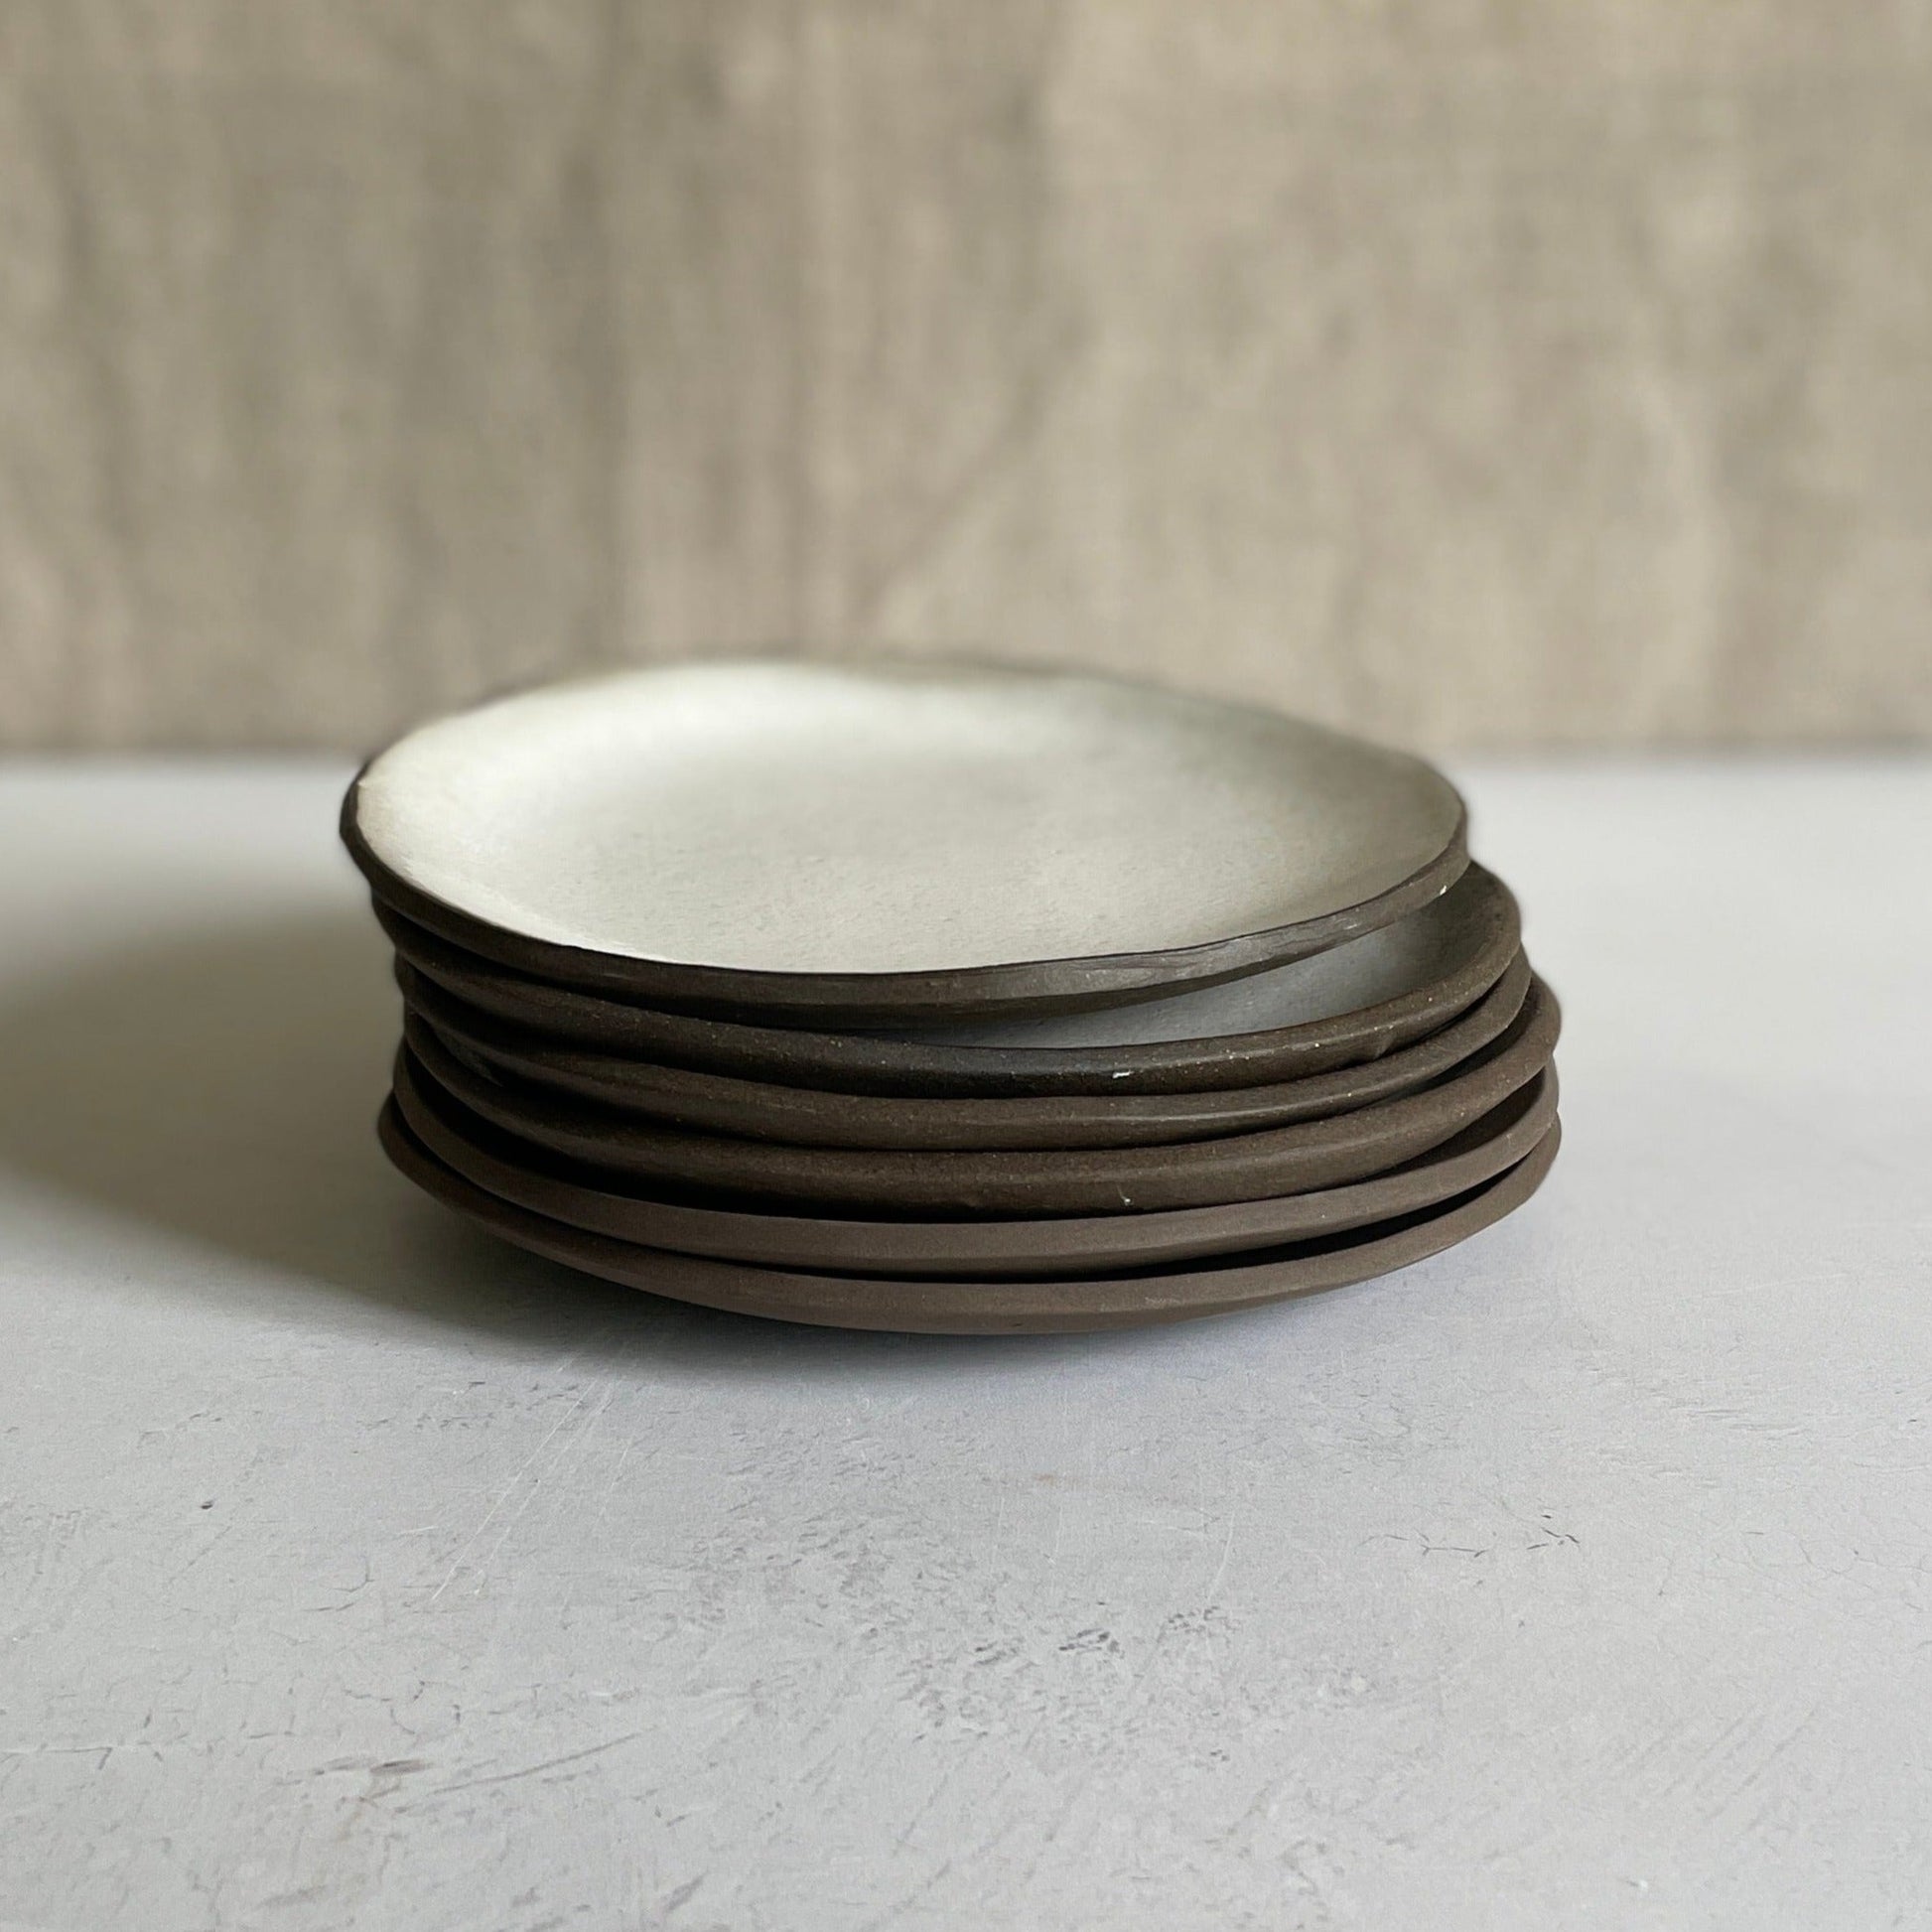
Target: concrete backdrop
[1475,372]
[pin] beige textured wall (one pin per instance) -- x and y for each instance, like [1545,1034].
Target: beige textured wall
[1484,370]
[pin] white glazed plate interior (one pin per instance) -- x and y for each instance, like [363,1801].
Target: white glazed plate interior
[820,818]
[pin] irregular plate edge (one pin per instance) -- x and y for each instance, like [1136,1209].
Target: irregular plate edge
[1066,983]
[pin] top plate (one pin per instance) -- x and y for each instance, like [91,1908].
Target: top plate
[873,841]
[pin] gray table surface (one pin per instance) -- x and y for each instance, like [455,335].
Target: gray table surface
[356,1572]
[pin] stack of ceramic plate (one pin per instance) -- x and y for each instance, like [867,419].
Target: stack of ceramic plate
[961,1000]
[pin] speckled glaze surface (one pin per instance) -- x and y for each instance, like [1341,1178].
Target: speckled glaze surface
[946,1305]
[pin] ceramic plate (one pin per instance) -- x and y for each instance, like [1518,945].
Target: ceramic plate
[718,1103]
[1061,1245]
[866,842]
[1353,1004]
[984,1306]
[1241,1167]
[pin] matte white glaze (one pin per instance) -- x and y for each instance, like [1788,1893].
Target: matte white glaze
[825,818]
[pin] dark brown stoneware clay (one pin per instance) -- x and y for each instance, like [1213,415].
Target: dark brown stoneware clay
[984,1306]
[1475,929]
[1058,1246]
[720,1103]
[1290,1160]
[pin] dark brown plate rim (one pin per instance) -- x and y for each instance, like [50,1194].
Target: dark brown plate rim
[879,1064]
[1056,1245]
[934,1306]
[1295,1158]
[724,1103]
